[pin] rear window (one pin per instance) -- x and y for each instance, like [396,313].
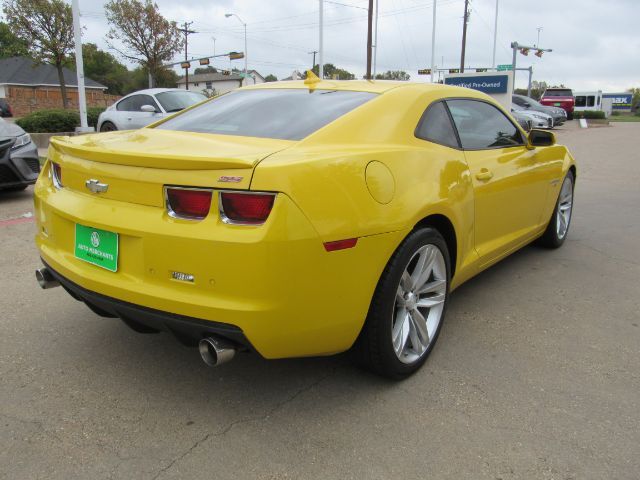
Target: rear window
[559,93]
[286,114]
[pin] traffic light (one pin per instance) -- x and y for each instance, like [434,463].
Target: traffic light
[204,61]
[454,70]
[539,53]
[424,71]
[524,51]
[480,70]
[236,55]
[226,72]
[185,65]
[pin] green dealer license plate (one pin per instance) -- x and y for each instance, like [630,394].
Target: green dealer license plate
[98,247]
[557,104]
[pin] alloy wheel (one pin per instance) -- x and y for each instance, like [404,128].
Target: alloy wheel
[419,303]
[565,204]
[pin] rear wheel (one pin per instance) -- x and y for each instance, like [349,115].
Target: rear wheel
[558,228]
[408,307]
[108,127]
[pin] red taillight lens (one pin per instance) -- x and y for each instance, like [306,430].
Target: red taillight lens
[56,173]
[188,203]
[246,208]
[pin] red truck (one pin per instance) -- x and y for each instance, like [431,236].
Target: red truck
[559,97]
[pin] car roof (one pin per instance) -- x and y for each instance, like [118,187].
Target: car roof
[153,91]
[371,86]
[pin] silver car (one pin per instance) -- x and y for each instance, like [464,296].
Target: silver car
[19,163]
[538,119]
[139,109]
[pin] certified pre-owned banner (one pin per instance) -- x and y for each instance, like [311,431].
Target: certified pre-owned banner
[485,83]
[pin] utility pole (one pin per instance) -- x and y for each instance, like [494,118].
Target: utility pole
[495,37]
[464,34]
[539,29]
[214,46]
[320,46]
[375,43]
[433,42]
[369,42]
[314,58]
[186,32]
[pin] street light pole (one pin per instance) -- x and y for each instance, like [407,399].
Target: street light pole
[82,99]
[375,42]
[245,41]
[433,42]
[495,37]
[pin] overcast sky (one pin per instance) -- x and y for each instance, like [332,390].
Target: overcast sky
[596,44]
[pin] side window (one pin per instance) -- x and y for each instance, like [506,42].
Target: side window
[146,100]
[518,101]
[581,101]
[481,125]
[435,126]
[127,105]
[591,100]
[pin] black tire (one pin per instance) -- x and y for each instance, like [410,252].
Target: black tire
[551,238]
[16,189]
[108,127]
[570,116]
[374,347]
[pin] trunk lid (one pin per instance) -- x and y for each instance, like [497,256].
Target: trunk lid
[137,164]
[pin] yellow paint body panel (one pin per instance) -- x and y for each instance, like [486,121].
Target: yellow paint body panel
[363,176]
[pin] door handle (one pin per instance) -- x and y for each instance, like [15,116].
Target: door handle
[484,175]
[129,118]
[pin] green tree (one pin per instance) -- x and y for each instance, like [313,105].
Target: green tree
[10,45]
[46,26]
[270,78]
[103,67]
[393,75]
[333,72]
[635,100]
[207,69]
[139,79]
[148,38]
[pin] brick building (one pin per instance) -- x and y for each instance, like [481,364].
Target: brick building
[29,86]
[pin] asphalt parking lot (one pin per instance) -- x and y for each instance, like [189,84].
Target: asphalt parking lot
[536,374]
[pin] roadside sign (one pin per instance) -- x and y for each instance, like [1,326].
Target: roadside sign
[505,66]
[424,71]
[485,83]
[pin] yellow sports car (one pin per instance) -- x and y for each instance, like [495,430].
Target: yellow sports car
[300,218]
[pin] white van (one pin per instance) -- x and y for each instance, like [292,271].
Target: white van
[588,101]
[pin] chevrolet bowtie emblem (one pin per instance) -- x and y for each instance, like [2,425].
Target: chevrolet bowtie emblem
[94,186]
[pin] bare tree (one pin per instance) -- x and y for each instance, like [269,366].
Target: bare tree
[148,38]
[47,28]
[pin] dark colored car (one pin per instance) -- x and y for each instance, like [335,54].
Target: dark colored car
[560,97]
[5,108]
[527,103]
[19,163]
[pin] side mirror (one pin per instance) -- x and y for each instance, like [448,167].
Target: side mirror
[148,109]
[541,138]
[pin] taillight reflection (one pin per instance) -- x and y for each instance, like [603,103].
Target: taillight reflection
[189,203]
[246,208]
[56,174]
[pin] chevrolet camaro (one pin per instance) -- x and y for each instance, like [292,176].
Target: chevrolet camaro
[300,218]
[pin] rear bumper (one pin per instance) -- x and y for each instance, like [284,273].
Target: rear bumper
[275,283]
[187,329]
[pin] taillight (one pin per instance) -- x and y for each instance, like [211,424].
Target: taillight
[246,208]
[56,175]
[188,203]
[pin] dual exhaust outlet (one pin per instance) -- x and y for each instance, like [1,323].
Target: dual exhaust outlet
[213,350]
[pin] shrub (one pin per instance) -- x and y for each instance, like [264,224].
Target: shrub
[57,120]
[615,113]
[92,115]
[593,114]
[50,121]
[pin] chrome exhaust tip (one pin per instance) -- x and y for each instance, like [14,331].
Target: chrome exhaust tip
[46,279]
[216,351]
